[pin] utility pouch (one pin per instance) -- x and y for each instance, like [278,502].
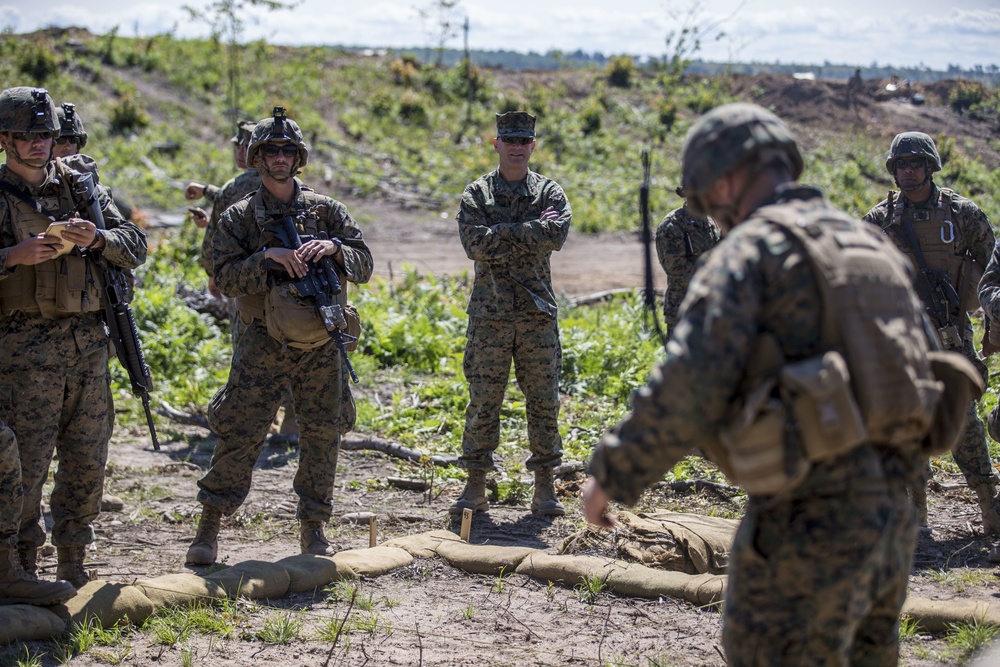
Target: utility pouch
[950,338]
[755,442]
[818,390]
[969,275]
[353,318]
[292,320]
[959,384]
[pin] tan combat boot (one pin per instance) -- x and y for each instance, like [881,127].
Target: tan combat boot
[19,587]
[989,505]
[473,496]
[70,565]
[205,546]
[110,503]
[544,502]
[919,496]
[312,540]
[29,559]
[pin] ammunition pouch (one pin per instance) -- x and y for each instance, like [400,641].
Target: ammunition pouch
[293,320]
[353,318]
[961,384]
[969,275]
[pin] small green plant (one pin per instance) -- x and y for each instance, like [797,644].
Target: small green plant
[367,623]
[971,636]
[187,656]
[29,659]
[468,612]
[909,628]
[280,628]
[501,582]
[589,589]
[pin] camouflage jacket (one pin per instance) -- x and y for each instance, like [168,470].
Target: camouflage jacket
[975,233]
[759,280]
[29,340]
[989,289]
[498,223]
[231,192]
[238,244]
[680,240]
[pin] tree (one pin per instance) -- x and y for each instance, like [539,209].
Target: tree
[685,41]
[226,20]
[444,15]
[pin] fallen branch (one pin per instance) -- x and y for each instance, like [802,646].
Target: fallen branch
[606,295]
[189,418]
[699,485]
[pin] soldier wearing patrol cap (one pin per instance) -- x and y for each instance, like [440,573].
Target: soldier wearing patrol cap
[949,240]
[510,222]
[285,345]
[54,382]
[780,308]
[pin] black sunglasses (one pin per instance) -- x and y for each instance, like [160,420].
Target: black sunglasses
[517,141]
[270,150]
[67,139]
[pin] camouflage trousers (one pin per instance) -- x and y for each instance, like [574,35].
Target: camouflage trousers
[67,410]
[818,579]
[971,453]
[531,341]
[10,488]
[242,411]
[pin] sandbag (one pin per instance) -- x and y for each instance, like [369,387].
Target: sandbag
[108,603]
[373,562]
[25,622]
[179,590]
[307,572]
[252,579]
[568,570]
[482,558]
[423,545]
[936,615]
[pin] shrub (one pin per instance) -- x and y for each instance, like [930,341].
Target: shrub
[37,63]
[412,109]
[621,71]
[965,95]
[127,116]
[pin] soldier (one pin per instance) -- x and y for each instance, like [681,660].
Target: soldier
[195,190]
[681,239]
[819,565]
[510,222]
[278,352]
[949,241]
[854,87]
[54,382]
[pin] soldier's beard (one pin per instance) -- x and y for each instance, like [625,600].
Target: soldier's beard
[913,188]
[30,164]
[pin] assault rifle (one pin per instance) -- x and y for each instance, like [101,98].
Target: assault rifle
[117,313]
[650,305]
[320,284]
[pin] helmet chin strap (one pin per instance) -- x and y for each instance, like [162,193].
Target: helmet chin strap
[914,188]
[12,151]
[261,164]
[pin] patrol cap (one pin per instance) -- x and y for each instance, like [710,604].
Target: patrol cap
[515,124]
[244,130]
[909,145]
[727,136]
[27,109]
[70,124]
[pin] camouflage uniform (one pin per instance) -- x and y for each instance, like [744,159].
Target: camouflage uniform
[10,488]
[512,312]
[973,235]
[55,386]
[263,369]
[680,240]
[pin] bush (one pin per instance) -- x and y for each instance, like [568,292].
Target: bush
[965,95]
[127,116]
[621,71]
[37,63]
[412,109]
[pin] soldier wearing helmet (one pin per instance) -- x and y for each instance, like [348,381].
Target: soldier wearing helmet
[949,240]
[72,137]
[278,351]
[819,565]
[54,383]
[195,190]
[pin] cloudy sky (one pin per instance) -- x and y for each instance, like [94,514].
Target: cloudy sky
[854,32]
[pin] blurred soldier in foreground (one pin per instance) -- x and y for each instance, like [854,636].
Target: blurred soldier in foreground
[949,241]
[510,221]
[681,239]
[285,345]
[779,371]
[54,382]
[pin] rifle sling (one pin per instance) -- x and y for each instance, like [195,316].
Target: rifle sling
[22,195]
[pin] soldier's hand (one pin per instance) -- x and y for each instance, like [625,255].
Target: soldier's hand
[214,290]
[314,250]
[82,233]
[548,215]
[289,260]
[595,504]
[34,250]
[194,190]
[199,217]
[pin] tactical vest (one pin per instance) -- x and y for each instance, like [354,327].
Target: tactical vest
[874,382]
[258,306]
[58,288]
[938,235]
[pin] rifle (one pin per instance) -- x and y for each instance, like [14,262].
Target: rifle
[117,313]
[650,305]
[320,284]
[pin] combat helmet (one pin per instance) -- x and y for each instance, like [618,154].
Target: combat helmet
[909,145]
[728,136]
[277,127]
[71,125]
[27,109]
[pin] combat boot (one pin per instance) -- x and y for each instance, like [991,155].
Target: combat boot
[919,495]
[989,505]
[205,546]
[29,559]
[473,496]
[312,540]
[544,502]
[110,503]
[70,566]
[20,587]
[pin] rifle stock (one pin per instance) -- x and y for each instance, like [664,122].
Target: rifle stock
[117,312]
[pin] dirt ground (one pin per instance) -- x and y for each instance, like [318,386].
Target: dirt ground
[429,613]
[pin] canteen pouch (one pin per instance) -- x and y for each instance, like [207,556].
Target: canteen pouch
[292,320]
[960,385]
[818,391]
[353,332]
